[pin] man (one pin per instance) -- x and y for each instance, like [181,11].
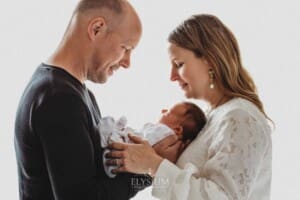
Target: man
[56,135]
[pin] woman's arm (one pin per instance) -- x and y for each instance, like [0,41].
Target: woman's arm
[234,160]
[231,171]
[141,157]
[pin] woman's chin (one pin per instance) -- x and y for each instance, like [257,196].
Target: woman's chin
[187,94]
[190,95]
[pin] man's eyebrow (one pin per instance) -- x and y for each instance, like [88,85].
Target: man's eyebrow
[128,47]
[129,43]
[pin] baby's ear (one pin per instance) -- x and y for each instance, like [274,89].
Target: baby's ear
[178,131]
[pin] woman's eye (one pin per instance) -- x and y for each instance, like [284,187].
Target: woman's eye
[178,65]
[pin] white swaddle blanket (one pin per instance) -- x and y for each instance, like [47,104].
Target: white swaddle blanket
[112,130]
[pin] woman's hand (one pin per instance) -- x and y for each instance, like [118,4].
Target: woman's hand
[138,158]
[169,148]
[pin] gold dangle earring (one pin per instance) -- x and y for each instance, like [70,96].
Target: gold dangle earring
[211,74]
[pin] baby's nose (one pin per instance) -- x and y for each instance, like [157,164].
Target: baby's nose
[164,111]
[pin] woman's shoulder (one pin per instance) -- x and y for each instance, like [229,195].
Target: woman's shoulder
[241,116]
[240,109]
[236,107]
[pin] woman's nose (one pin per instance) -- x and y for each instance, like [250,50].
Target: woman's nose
[174,75]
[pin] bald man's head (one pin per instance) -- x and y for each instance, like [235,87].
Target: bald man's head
[113,11]
[102,34]
[88,5]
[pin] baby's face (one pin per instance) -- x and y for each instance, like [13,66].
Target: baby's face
[173,117]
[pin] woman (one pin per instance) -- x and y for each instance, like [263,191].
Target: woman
[231,158]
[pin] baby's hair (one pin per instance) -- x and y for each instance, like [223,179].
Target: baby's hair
[193,122]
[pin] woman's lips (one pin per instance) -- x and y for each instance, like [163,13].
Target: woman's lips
[183,85]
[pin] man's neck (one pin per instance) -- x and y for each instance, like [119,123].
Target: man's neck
[69,60]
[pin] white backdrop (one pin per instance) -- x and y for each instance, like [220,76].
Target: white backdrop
[268,33]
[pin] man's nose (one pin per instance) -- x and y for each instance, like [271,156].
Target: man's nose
[125,62]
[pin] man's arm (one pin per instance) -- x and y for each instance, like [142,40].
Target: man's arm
[61,123]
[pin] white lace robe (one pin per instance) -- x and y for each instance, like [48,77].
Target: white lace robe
[230,159]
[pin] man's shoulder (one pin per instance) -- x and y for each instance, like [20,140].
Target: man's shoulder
[49,79]
[48,82]
[56,79]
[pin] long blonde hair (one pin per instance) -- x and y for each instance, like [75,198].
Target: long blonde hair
[209,38]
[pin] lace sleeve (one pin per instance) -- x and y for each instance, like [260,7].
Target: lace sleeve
[232,166]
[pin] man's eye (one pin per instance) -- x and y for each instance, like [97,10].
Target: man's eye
[125,48]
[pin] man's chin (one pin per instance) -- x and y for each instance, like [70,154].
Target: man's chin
[103,80]
[99,80]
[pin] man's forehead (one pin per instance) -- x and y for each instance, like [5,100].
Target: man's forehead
[131,40]
[131,43]
[131,28]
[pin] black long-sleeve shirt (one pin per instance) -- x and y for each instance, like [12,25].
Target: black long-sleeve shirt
[57,142]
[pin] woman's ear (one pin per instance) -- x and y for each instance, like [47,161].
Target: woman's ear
[206,62]
[97,27]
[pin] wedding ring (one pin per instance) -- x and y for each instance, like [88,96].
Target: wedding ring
[117,162]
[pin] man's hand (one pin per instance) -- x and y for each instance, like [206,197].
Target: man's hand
[138,158]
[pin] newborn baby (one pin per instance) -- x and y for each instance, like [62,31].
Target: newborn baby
[183,119]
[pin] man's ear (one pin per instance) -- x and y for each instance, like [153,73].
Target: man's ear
[97,27]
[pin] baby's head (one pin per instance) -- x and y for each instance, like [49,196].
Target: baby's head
[185,118]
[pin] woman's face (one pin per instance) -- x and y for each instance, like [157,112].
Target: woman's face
[190,72]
